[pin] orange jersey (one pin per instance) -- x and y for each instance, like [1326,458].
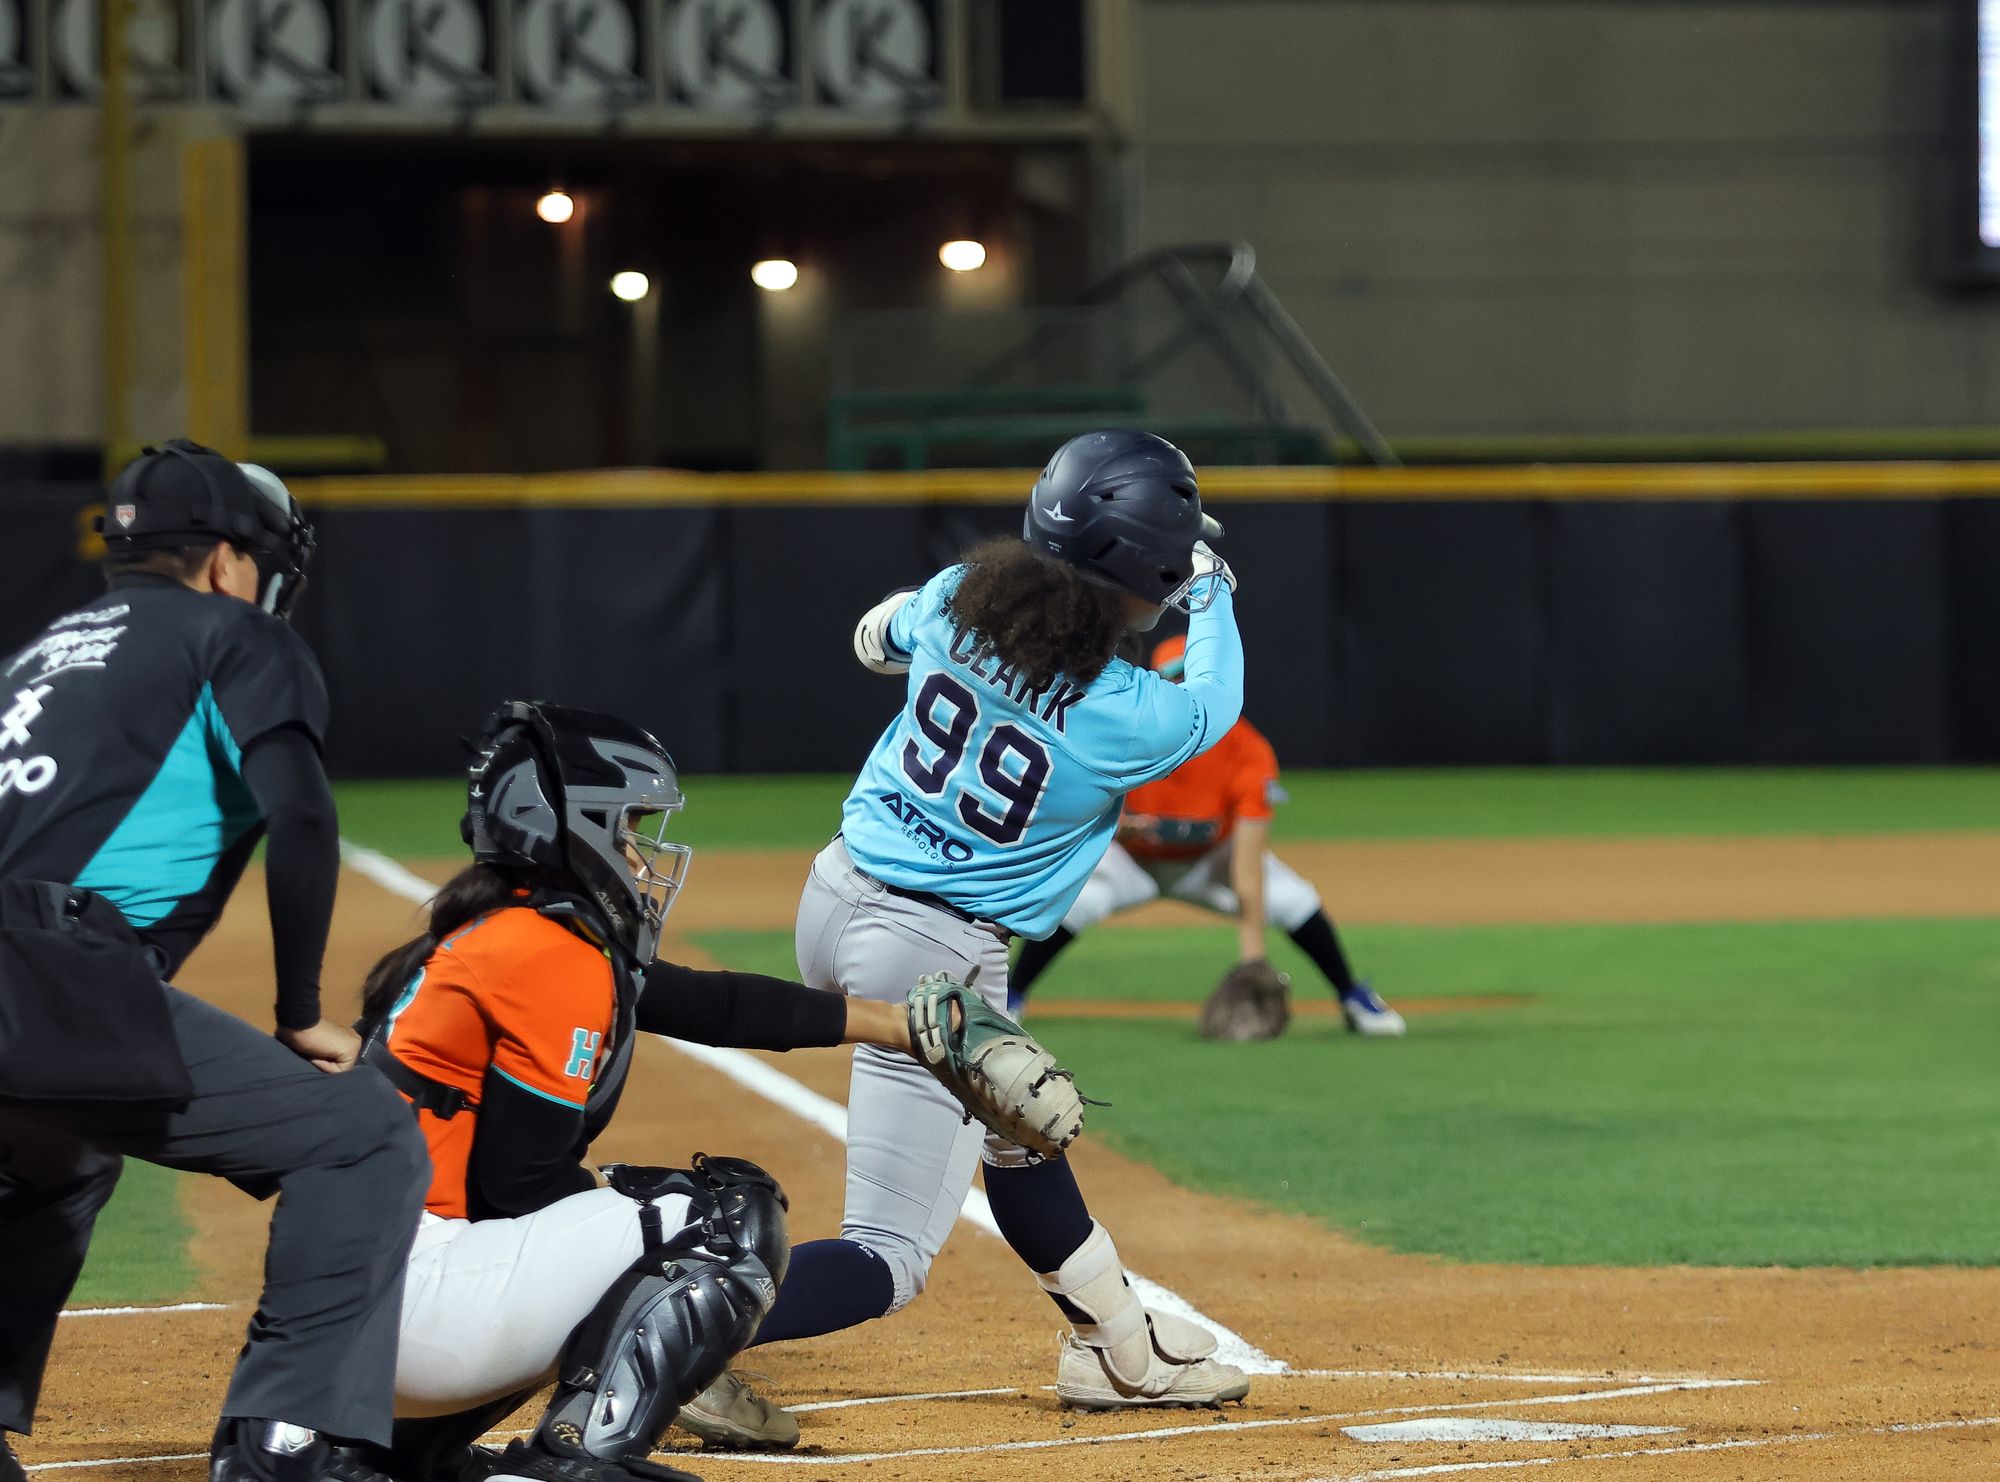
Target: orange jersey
[1196,806]
[514,993]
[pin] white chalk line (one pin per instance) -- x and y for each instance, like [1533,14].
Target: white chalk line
[114,1461]
[386,872]
[1905,1428]
[815,1406]
[142,1311]
[831,1118]
[942,1394]
[1691,1380]
[1214,1427]
[1492,1376]
[1744,1443]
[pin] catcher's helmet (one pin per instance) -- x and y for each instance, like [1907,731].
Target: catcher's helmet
[181,493]
[586,797]
[1121,509]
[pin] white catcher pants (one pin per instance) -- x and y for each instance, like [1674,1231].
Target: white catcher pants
[1122,881]
[488,1304]
[910,1153]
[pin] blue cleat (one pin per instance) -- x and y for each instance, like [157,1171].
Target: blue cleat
[1365,1013]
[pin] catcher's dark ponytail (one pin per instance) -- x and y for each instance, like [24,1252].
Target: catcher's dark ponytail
[471,893]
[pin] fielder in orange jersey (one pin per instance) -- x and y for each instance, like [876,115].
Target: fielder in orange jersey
[509,1026]
[1202,834]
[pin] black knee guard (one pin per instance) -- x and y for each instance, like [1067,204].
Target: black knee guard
[670,1325]
[749,1208]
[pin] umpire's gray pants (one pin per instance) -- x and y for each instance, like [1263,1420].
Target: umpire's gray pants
[343,1154]
[910,1152]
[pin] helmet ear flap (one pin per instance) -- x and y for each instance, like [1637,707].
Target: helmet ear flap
[514,801]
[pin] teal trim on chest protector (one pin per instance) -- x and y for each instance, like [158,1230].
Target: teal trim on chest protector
[195,808]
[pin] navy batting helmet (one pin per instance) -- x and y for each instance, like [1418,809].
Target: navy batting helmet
[182,494]
[1120,508]
[587,796]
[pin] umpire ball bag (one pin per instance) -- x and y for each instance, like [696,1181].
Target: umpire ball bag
[83,1014]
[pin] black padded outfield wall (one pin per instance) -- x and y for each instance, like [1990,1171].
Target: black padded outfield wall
[1380,630]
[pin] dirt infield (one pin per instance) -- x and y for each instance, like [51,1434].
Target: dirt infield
[1479,882]
[1850,1374]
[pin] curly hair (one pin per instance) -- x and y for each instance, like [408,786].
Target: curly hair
[1036,615]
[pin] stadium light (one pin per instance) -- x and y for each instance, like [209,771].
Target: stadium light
[555,207]
[631,286]
[963,255]
[774,274]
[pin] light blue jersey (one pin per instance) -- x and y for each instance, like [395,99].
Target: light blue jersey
[1001,799]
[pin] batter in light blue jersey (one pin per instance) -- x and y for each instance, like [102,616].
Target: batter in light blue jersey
[979,815]
[1000,797]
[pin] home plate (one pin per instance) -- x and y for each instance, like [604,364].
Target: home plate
[1456,1428]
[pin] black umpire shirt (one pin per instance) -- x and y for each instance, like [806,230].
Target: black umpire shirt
[122,734]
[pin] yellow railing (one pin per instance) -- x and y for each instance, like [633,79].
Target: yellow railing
[1690,481]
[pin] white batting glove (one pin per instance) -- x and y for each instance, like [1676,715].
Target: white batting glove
[1207,563]
[871,635]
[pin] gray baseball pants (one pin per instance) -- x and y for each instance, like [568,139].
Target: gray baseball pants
[910,1152]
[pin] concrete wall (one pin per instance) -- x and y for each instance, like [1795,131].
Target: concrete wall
[1579,215]
[52,275]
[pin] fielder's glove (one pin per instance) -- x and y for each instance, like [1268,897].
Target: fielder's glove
[1251,1002]
[994,1067]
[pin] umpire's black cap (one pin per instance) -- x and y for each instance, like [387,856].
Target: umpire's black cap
[181,493]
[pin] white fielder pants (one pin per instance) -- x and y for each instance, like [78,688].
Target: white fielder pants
[1121,882]
[910,1152]
[488,1304]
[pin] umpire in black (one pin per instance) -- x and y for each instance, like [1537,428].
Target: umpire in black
[148,741]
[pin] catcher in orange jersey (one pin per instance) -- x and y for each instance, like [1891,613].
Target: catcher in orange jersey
[509,1025]
[1202,834]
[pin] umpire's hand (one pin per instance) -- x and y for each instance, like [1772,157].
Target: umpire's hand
[329,1046]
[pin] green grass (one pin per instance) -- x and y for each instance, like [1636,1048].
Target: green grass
[419,819]
[1739,1094]
[1742,1095]
[139,1251]
[1615,801]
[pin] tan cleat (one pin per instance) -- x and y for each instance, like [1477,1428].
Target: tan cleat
[1085,1382]
[730,1416]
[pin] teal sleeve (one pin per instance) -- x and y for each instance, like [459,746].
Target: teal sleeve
[1213,678]
[1166,723]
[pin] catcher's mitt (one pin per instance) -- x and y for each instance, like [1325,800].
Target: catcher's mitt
[994,1067]
[1252,1002]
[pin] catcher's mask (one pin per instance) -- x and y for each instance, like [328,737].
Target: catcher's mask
[182,494]
[584,796]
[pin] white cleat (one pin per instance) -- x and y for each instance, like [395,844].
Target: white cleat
[1366,1014]
[1084,1382]
[1121,1355]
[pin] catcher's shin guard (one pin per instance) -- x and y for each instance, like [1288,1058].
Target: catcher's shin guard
[670,1325]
